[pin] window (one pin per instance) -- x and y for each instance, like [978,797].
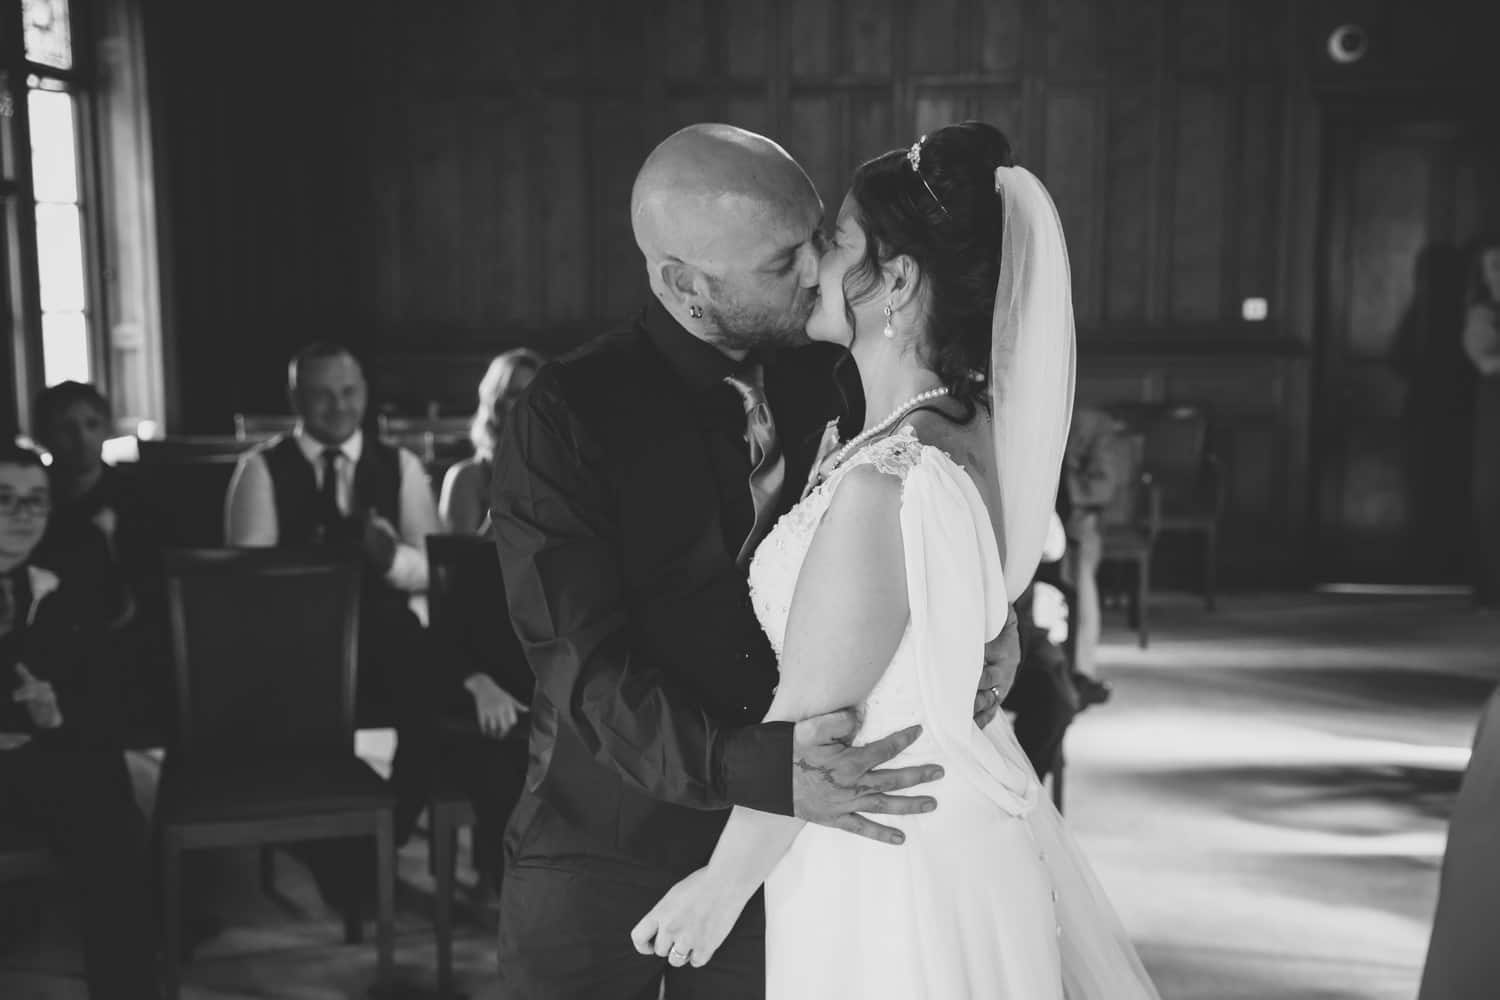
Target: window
[78,282]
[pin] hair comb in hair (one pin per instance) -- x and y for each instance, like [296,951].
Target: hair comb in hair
[914,157]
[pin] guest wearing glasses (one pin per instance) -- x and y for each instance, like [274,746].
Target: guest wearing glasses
[62,772]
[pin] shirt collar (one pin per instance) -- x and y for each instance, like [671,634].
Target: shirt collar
[701,365]
[312,449]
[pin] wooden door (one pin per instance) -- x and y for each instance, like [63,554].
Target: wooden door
[1394,392]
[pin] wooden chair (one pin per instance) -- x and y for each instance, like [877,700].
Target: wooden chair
[187,479]
[253,427]
[264,651]
[24,857]
[1186,472]
[1130,525]
[466,608]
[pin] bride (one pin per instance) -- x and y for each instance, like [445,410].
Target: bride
[947,278]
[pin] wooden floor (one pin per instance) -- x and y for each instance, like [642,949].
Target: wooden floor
[1265,799]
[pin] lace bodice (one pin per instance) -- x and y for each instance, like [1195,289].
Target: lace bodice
[778,560]
[957,600]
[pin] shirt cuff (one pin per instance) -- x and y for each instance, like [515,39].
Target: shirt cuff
[408,570]
[755,767]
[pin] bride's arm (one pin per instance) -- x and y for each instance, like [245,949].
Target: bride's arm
[849,612]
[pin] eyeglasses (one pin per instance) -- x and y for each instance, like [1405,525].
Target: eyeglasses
[36,505]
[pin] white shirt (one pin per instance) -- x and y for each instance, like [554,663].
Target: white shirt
[250,508]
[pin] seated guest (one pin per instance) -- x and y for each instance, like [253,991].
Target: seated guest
[484,749]
[465,502]
[1043,697]
[329,484]
[104,531]
[62,771]
[1091,475]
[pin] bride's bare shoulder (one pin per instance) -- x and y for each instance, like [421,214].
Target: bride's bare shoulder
[968,442]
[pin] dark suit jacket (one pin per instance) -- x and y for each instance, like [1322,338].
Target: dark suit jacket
[60,635]
[620,502]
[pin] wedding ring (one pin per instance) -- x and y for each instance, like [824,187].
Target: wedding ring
[996,692]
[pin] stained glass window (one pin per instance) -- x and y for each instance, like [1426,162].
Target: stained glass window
[49,37]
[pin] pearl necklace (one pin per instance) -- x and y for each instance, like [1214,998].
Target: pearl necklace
[885,425]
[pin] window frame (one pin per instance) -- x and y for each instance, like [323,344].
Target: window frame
[22,312]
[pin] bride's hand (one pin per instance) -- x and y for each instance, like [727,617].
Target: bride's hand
[692,920]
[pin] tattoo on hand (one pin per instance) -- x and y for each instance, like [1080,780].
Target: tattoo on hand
[826,773]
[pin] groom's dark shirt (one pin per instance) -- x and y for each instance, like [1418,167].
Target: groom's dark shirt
[620,501]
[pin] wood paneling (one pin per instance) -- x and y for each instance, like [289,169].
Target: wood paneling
[442,181]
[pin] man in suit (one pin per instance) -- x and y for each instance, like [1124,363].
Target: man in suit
[62,769]
[632,483]
[329,484]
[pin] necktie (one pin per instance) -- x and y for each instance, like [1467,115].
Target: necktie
[328,495]
[7,605]
[767,464]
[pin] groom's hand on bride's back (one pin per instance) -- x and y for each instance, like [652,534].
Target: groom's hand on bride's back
[834,782]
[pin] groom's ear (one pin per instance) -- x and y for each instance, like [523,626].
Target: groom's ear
[680,282]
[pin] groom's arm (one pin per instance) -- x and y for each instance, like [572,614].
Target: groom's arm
[558,535]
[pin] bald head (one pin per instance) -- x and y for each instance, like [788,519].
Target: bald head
[712,195]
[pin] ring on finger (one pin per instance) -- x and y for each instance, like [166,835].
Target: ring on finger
[996,692]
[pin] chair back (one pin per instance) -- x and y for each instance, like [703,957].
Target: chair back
[259,426]
[1177,446]
[187,479]
[264,647]
[1127,506]
[467,610]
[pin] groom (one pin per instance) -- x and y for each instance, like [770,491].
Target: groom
[632,484]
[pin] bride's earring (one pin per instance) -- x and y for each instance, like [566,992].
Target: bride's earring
[889,332]
[695,311]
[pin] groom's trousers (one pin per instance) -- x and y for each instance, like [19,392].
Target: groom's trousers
[567,906]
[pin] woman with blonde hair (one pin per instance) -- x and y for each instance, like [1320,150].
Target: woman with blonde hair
[465,500]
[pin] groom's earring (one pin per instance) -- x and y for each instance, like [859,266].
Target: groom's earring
[695,311]
[889,331]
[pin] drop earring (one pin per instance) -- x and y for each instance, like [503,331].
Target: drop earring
[889,332]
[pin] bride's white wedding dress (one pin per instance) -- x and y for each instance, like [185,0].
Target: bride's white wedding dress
[988,897]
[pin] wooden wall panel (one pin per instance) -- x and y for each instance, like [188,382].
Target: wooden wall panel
[1203,35]
[1002,35]
[810,37]
[1390,208]
[865,32]
[1073,126]
[1129,227]
[1198,232]
[746,38]
[1004,109]
[813,138]
[472,190]
[934,38]
[1255,202]
[617,262]
[1132,34]
[677,38]
[1073,49]
[564,218]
